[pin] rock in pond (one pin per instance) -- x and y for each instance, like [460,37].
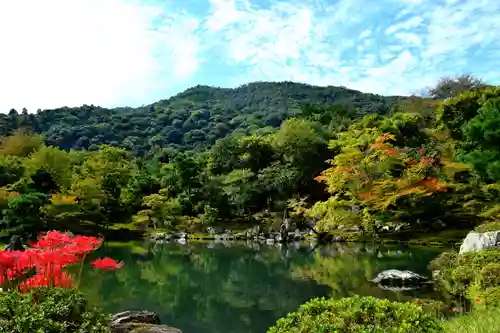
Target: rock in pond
[478,241]
[138,322]
[394,277]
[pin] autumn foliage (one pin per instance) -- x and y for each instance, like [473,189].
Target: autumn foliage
[383,173]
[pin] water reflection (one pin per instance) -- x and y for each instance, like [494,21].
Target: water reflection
[241,287]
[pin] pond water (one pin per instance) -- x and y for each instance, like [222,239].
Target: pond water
[242,288]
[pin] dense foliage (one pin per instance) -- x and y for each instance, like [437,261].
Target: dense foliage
[425,163]
[471,276]
[50,310]
[357,315]
[407,168]
[193,119]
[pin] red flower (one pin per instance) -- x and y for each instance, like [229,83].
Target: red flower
[478,300]
[107,263]
[48,258]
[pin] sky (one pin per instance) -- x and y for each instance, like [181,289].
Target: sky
[111,53]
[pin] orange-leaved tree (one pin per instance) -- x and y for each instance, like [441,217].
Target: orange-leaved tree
[386,180]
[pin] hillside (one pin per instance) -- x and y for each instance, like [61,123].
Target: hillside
[193,119]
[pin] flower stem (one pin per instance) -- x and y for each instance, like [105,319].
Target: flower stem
[81,271]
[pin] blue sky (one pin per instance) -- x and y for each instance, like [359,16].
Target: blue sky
[133,52]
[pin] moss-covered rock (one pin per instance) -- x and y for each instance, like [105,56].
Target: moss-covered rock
[138,322]
[150,328]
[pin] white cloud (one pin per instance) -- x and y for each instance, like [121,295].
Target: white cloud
[413,22]
[124,52]
[386,46]
[71,52]
[365,34]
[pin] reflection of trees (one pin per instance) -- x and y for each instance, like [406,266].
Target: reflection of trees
[204,290]
[239,289]
[349,270]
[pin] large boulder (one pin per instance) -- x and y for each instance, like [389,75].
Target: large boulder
[138,322]
[478,241]
[397,278]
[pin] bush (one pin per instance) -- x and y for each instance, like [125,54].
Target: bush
[51,310]
[490,297]
[469,275]
[356,315]
[490,275]
[443,261]
[433,307]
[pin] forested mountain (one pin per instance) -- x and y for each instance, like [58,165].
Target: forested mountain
[414,160]
[191,120]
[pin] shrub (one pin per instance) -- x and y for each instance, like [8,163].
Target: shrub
[444,260]
[469,275]
[356,315]
[433,307]
[54,310]
[490,275]
[490,296]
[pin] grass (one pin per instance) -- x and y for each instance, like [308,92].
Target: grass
[447,236]
[485,321]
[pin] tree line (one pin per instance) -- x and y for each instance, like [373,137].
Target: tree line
[423,161]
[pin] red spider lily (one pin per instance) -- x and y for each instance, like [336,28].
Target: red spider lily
[47,260]
[106,263]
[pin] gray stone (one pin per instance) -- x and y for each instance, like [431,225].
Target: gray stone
[145,317]
[143,328]
[478,241]
[138,321]
[394,277]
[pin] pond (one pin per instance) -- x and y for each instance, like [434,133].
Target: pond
[242,288]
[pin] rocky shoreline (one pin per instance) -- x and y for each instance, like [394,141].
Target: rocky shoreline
[253,234]
[257,235]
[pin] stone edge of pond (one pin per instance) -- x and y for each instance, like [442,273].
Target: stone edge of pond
[336,238]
